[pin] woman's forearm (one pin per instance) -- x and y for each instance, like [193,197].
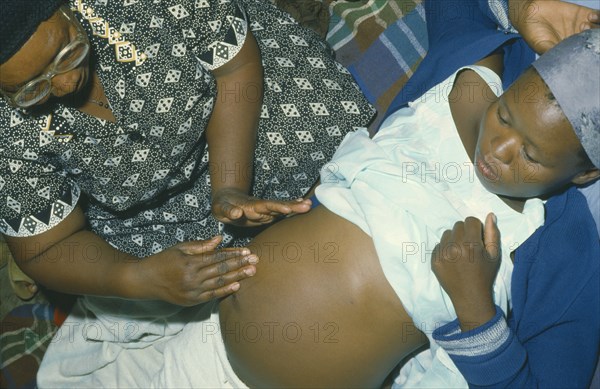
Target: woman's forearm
[82,263]
[231,131]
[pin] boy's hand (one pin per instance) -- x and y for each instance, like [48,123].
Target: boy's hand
[466,262]
[191,273]
[233,206]
[544,23]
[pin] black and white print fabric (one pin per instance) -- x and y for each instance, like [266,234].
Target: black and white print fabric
[144,180]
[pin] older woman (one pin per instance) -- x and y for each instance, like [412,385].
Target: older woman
[108,116]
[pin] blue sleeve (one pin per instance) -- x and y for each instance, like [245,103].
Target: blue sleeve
[560,355]
[461,33]
[498,11]
[450,20]
[480,354]
[553,335]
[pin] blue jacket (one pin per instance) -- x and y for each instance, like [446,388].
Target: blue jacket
[552,335]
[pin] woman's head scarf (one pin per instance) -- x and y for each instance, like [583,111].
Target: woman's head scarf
[19,19]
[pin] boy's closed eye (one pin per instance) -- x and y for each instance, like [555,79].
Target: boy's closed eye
[503,121]
[528,157]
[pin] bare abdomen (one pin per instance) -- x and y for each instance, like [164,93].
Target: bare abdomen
[319,312]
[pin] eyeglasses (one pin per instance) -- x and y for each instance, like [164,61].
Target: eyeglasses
[68,59]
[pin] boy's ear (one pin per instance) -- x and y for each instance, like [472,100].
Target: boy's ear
[586,176]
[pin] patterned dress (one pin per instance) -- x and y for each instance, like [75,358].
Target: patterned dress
[144,180]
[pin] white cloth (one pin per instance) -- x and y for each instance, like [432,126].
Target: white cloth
[119,346]
[108,343]
[407,185]
[197,358]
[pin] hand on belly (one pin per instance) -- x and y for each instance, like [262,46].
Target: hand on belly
[319,311]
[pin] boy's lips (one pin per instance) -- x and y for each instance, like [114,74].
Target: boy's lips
[486,170]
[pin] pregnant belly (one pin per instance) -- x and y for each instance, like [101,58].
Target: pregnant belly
[319,312]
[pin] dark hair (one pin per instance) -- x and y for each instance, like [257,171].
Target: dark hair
[586,162]
[19,19]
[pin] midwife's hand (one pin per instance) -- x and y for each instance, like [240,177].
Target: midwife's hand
[544,23]
[195,272]
[235,207]
[466,262]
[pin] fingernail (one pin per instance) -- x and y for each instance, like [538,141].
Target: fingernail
[494,218]
[252,259]
[245,251]
[250,271]
[235,287]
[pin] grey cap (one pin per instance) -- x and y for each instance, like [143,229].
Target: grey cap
[572,72]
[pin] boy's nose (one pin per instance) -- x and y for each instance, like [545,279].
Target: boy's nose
[503,148]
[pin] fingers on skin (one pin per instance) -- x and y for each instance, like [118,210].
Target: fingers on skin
[230,265]
[200,246]
[219,279]
[220,256]
[301,205]
[218,293]
[232,212]
[258,212]
[252,214]
[271,208]
[253,220]
[223,281]
[276,208]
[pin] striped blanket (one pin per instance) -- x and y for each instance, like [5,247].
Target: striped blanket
[381,42]
[25,333]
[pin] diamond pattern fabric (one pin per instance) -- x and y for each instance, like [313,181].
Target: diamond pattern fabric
[144,180]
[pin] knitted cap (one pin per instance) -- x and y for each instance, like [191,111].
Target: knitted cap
[572,72]
[18,21]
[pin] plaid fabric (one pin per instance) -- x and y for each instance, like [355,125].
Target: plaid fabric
[381,42]
[25,334]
